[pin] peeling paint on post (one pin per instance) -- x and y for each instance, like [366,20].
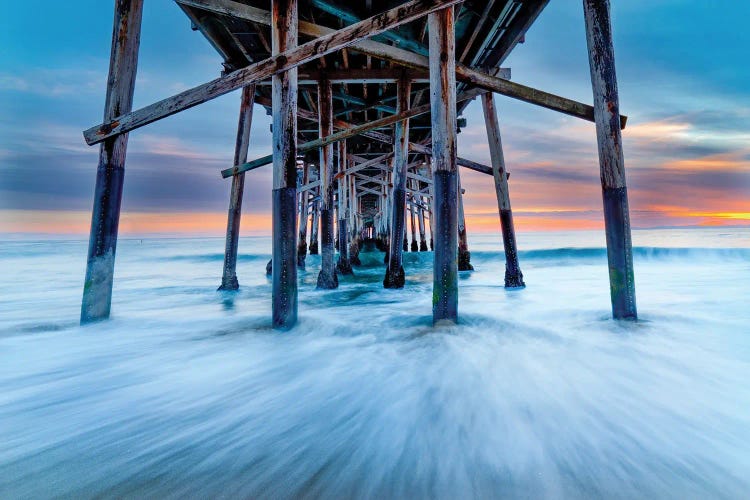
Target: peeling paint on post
[513,275]
[327,278]
[105,216]
[611,160]
[394,273]
[284,200]
[229,275]
[445,175]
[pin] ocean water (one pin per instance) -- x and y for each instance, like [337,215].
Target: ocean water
[537,393]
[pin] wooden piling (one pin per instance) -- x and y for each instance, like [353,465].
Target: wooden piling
[302,237]
[513,274]
[611,160]
[414,244]
[394,273]
[327,278]
[464,256]
[105,216]
[420,218]
[284,201]
[315,221]
[229,275]
[445,174]
[343,265]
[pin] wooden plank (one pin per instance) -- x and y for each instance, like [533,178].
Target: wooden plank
[513,274]
[283,61]
[284,195]
[444,169]
[105,216]
[611,160]
[229,280]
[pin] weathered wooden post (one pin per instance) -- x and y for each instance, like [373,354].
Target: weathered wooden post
[229,275]
[464,256]
[355,230]
[327,278]
[105,216]
[611,160]
[302,239]
[420,218]
[445,175]
[412,209]
[394,273]
[343,265]
[315,220]
[513,275]
[284,201]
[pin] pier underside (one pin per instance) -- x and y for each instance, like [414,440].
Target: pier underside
[367,100]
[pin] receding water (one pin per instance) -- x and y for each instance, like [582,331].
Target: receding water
[187,392]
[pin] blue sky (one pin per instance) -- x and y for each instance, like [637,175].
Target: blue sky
[682,76]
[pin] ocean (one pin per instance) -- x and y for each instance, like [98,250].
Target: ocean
[536,393]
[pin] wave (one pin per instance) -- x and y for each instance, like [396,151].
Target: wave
[640,253]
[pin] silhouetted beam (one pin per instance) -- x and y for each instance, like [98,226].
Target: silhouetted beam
[326,44]
[414,61]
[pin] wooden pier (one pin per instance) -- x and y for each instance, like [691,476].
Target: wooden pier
[365,98]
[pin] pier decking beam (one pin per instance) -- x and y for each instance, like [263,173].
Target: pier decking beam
[445,174]
[327,278]
[284,201]
[229,275]
[105,215]
[611,160]
[394,273]
[325,44]
[513,275]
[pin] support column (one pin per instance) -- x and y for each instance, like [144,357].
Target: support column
[229,276]
[302,239]
[327,278]
[611,160]
[412,221]
[343,266]
[105,215]
[420,218]
[445,174]
[284,201]
[394,273]
[315,221]
[513,275]
[464,256]
[355,230]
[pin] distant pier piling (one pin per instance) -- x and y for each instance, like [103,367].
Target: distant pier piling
[110,174]
[394,273]
[303,215]
[327,278]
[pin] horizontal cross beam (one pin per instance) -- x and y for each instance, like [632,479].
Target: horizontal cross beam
[414,61]
[322,45]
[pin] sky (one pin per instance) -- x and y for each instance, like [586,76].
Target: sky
[683,82]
